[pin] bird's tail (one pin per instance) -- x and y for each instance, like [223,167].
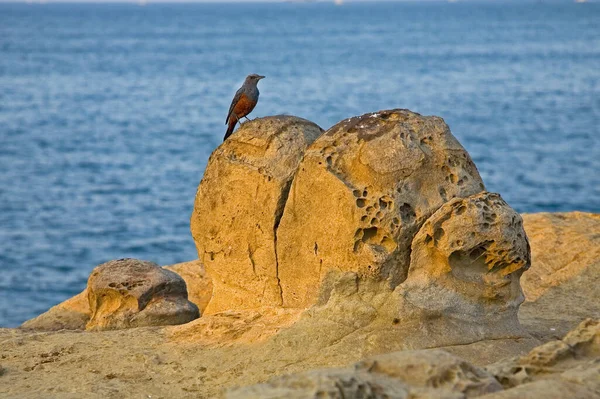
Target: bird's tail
[232,123]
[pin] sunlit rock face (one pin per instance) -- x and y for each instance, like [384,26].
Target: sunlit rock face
[238,207]
[383,220]
[361,193]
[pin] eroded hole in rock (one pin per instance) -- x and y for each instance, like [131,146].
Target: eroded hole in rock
[369,233]
[407,213]
[443,194]
[477,252]
[356,193]
[357,245]
[388,244]
[461,209]
[428,239]
[379,215]
[329,160]
[374,221]
[365,193]
[426,140]
[465,267]
[491,217]
[360,202]
[364,218]
[439,233]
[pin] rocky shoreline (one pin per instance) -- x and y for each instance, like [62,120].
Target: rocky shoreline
[367,261]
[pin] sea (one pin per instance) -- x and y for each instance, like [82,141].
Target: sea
[109,112]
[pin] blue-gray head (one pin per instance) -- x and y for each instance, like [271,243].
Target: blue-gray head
[253,79]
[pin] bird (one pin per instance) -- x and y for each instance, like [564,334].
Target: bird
[243,103]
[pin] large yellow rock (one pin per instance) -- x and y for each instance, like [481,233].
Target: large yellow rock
[362,191]
[238,207]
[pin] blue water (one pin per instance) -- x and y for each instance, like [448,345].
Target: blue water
[108,113]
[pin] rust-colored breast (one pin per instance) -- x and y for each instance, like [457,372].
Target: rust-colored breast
[244,106]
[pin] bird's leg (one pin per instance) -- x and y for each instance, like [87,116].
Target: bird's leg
[248,119]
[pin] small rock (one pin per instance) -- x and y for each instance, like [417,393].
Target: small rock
[128,293]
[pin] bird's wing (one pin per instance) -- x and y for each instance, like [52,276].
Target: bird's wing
[236,98]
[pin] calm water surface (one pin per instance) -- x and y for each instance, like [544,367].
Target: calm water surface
[108,113]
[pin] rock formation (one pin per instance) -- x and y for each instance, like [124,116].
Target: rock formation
[72,314]
[238,207]
[75,313]
[129,293]
[466,262]
[328,251]
[344,241]
[361,193]
[564,368]
[402,375]
[199,286]
[565,249]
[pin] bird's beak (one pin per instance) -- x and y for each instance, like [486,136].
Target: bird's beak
[261,77]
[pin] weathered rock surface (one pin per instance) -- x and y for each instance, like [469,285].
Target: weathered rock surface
[212,353]
[72,314]
[563,246]
[375,238]
[466,262]
[199,285]
[238,207]
[339,241]
[571,365]
[129,293]
[362,191]
[75,313]
[565,250]
[408,374]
